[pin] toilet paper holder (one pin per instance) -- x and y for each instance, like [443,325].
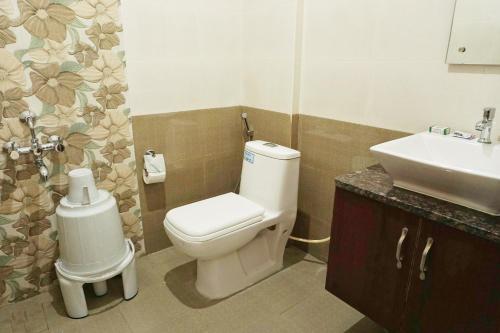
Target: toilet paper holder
[150,152]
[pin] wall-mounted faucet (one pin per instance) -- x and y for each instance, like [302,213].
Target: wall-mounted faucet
[485,125]
[36,148]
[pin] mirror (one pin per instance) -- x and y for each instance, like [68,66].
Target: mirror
[475,33]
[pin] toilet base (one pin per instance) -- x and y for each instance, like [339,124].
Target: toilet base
[72,285]
[224,276]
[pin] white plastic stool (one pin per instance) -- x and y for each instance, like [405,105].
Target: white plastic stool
[72,285]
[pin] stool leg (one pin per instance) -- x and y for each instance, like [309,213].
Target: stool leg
[129,278]
[100,288]
[74,298]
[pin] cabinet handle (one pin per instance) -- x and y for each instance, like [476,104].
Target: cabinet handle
[399,257]
[423,267]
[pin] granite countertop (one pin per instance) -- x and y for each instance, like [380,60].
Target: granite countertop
[375,183]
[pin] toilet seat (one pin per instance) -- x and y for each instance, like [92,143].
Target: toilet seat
[208,219]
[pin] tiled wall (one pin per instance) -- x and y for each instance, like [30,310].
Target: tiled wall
[329,148]
[269,125]
[203,151]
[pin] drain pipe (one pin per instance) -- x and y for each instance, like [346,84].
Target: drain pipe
[310,241]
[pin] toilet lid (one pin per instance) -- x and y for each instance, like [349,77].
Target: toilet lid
[210,218]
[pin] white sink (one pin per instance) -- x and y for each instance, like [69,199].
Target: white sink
[461,171]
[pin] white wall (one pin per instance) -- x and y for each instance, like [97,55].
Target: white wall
[374,62]
[196,54]
[382,63]
[182,54]
[268,53]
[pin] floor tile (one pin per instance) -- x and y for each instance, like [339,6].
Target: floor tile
[323,313]
[292,300]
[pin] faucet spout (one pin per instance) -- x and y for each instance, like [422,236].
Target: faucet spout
[485,125]
[42,168]
[44,173]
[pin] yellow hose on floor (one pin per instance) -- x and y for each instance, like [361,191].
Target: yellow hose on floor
[310,241]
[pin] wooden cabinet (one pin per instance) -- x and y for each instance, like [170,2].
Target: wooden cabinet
[362,270]
[460,291]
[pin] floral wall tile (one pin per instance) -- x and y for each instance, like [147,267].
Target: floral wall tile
[62,60]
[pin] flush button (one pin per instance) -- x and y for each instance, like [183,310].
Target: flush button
[270,144]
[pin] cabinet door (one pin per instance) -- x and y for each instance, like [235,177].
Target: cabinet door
[461,288]
[362,267]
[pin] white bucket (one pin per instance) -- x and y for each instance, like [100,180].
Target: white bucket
[90,230]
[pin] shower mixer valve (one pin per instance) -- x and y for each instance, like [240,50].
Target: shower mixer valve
[38,149]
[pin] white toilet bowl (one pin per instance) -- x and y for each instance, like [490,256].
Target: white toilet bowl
[240,239]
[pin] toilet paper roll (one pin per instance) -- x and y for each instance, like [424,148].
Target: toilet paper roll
[154,163]
[153,177]
[154,168]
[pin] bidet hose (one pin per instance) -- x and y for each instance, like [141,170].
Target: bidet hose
[248,137]
[310,241]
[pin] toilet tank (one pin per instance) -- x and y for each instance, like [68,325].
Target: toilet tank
[270,175]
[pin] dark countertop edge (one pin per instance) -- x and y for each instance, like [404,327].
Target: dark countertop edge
[477,230]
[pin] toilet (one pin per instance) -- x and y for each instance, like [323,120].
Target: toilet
[239,239]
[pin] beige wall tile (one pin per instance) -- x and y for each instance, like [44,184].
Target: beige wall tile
[154,234]
[203,150]
[269,125]
[329,148]
[294,140]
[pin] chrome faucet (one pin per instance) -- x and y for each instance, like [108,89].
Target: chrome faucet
[36,148]
[484,126]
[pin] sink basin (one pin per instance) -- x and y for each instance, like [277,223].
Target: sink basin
[461,171]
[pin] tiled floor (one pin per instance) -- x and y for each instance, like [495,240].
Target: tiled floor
[293,300]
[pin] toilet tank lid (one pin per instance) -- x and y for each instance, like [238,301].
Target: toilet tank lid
[272,150]
[210,218]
